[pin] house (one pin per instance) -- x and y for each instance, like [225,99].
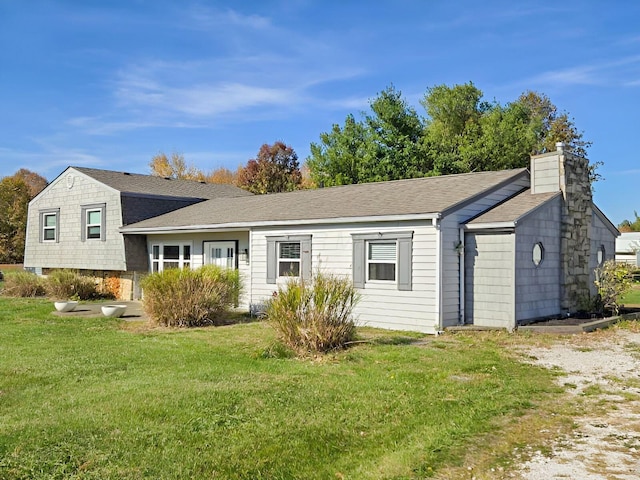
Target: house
[74,222]
[489,248]
[628,248]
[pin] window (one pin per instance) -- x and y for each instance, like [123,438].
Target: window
[288,259]
[93,222]
[601,255]
[49,225]
[383,257]
[170,256]
[288,256]
[381,261]
[538,254]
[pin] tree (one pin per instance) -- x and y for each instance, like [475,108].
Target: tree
[15,195]
[34,181]
[275,169]
[629,226]
[461,133]
[174,166]
[220,175]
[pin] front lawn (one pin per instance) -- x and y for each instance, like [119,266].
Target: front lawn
[106,399]
[633,297]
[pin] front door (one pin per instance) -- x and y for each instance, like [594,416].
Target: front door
[222,254]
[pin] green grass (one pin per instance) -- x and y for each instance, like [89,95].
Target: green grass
[105,399]
[633,297]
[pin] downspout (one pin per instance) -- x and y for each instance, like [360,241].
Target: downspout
[438,299]
[460,248]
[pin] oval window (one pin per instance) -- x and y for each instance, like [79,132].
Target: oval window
[538,254]
[601,255]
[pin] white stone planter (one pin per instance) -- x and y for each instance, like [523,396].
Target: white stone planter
[66,306]
[113,311]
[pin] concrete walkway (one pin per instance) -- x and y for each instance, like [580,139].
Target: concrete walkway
[134,311]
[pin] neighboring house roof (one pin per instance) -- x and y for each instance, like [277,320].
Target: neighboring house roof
[135,183]
[421,196]
[628,242]
[513,209]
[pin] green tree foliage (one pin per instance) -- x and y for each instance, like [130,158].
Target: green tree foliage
[461,133]
[275,169]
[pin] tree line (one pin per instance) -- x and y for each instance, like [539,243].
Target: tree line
[459,132]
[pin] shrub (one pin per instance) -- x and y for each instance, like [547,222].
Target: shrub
[64,284]
[190,298]
[314,316]
[613,281]
[23,284]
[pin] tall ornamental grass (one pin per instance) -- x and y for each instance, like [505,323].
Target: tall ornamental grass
[190,298]
[64,283]
[22,284]
[315,316]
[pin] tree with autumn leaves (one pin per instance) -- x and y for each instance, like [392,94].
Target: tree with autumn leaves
[275,169]
[16,192]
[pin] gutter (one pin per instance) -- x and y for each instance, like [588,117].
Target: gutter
[272,223]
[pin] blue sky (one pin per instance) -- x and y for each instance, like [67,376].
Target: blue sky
[108,84]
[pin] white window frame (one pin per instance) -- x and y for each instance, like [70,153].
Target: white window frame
[102,226]
[291,260]
[88,225]
[53,227]
[403,263]
[369,261]
[157,262]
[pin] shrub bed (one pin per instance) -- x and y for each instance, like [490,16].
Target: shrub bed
[22,284]
[64,284]
[190,298]
[316,316]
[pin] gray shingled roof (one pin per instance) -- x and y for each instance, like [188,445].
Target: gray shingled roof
[430,195]
[514,208]
[153,185]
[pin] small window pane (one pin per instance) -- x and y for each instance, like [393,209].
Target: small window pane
[186,252]
[171,265]
[601,255]
[50,220]
[382,271]
[156,252]
[171,252]
[93,217]
[382,251]
[289,269]
[93,232]
[290,250]
[538,254]
[49,234]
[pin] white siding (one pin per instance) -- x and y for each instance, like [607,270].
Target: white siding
[381,305]
[538,290]
[450,231]
[70,251]
[197,255]
[545,173]
[489,279]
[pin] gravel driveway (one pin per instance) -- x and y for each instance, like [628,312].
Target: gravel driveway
[602,371]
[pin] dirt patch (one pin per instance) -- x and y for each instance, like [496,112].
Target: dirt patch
[602,373]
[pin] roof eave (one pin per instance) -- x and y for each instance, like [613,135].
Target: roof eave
[278,223]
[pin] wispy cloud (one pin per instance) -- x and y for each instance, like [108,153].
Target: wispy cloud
[616,72]
[50,161]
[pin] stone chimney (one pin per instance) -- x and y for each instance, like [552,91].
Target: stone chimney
[568,173]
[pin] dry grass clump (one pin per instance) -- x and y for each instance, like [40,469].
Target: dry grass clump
[63,284]
[190,298]
[316,316]
[22,284]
